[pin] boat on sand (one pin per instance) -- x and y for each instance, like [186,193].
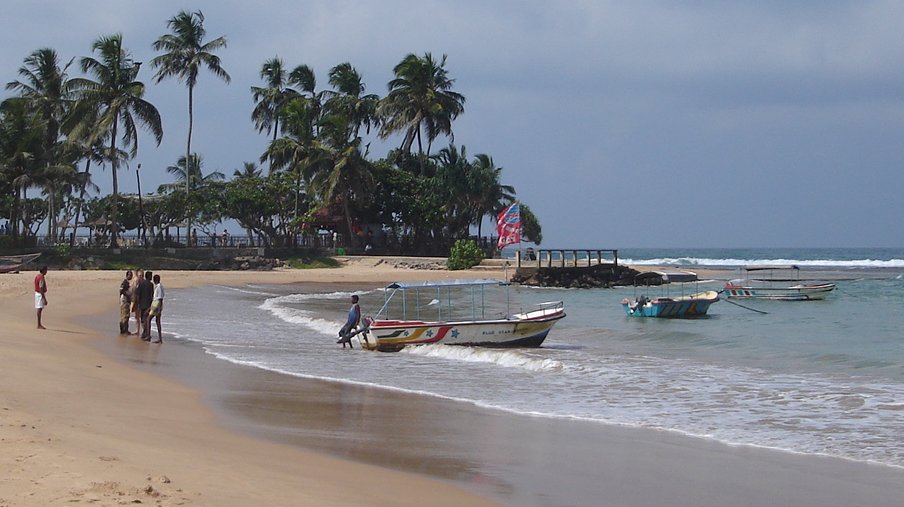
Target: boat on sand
[11,263]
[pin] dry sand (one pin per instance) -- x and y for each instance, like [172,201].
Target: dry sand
[77,427]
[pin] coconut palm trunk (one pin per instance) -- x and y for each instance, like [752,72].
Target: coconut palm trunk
[191,118]
[81,199]
[114,203]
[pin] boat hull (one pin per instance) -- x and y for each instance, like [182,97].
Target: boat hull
[695,305]
[803,292]
[525,331]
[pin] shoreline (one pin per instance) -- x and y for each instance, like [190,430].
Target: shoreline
[506,459]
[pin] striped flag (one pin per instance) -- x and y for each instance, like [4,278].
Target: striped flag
[508,226]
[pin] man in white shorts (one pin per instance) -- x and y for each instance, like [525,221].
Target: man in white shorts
[40,294]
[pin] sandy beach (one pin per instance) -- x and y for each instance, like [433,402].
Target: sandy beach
[79,427]
[89,417]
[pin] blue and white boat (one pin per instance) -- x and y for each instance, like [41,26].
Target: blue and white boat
[669,305]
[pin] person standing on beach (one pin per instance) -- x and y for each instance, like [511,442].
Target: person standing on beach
[41,294]
[139,276]
[144,295]
[125,302]
[354,317]
[157,308]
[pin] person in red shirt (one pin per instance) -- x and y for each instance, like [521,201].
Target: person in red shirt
[40,294]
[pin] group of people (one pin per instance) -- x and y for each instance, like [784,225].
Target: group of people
[141,294]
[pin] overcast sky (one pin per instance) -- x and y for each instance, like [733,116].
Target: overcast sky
[620,123]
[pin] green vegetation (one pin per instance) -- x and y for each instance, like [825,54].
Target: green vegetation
[317,170]
[465,254]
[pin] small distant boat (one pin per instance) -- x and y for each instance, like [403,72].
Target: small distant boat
[669,306]
[457,313]
[777,288]
[11,263]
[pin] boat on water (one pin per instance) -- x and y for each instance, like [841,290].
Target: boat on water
[12,263]
[455,312]
[776,286]
[669,305]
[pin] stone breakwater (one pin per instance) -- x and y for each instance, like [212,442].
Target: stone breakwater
[580,277]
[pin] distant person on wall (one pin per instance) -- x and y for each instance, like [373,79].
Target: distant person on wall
[354,317]
[144,294]
[41,294]
[125,302]
[157,308]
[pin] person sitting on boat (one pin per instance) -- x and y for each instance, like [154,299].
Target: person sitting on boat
[354,317]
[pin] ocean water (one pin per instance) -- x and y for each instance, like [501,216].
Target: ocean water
[820,377]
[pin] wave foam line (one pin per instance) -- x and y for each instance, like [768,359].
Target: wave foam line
[703,261]
[508,358]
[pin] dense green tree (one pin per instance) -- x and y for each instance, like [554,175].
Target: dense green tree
[115,100]
[530,225]
[21,141]
[346,176]
[261,205]
[46,90]
[185,53]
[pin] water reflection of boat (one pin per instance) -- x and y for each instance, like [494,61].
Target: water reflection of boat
[455,313]
[669,305]
[787,288]
[10,263]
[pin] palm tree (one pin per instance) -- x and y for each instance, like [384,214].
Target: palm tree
[455,179]
[493,196]
[115,99]
[45,87]
[191,178]
[420,100]
[350,101]
[185,53]
[303,77]
[248,170]
[271,99]
[46,90]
